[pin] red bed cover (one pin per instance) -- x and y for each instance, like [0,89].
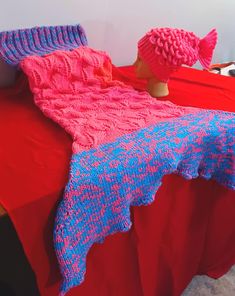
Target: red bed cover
[188,230]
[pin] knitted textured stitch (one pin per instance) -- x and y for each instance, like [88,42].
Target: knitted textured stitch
[106,181]
[75,89]
[18,44]
[166,49]
[125,141]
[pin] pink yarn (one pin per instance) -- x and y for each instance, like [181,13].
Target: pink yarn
[166,49]
[76,90]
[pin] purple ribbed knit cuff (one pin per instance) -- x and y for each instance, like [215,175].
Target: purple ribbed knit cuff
[16,45]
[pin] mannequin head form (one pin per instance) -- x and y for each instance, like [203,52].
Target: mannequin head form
[155,87]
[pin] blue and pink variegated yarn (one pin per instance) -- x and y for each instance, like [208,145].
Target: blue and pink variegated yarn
[104,182]
[17,44]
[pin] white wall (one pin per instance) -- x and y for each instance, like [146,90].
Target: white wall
[116,26]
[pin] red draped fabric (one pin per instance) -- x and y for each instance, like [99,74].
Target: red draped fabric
[188,230]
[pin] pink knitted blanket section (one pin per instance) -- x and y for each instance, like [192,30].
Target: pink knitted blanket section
[76,90]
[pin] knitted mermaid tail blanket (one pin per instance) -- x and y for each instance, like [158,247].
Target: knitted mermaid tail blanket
[124,142]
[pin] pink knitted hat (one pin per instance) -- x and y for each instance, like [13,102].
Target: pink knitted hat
[164,50]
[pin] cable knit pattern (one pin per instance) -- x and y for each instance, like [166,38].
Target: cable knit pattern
[18,44]
[166,49]
[124,143]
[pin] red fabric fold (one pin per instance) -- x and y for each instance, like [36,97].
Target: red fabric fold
[188,230]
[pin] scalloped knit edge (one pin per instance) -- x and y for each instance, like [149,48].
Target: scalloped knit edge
[69,284]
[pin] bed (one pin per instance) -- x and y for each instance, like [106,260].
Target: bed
[188,230]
